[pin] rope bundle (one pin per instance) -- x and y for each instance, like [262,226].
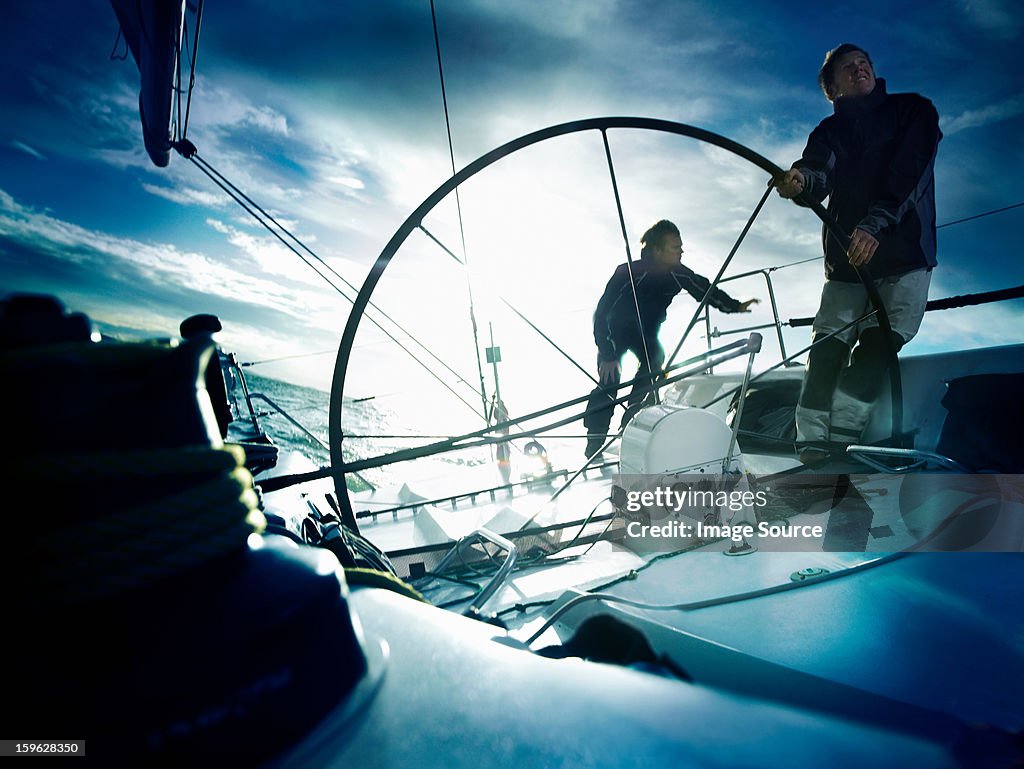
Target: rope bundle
[99,554]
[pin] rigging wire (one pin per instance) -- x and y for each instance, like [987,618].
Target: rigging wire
[182,40]
[707,294]
[188,151]
[458,208]
[979,216]
[336,274]
[550,341]
[192,69]
[236,194]
[441,245]
[515,310]
[114,55]
[629,253]
[180,124]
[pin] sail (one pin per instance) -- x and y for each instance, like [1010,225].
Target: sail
[153,31]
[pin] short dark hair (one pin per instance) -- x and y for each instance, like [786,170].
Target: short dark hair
[654,237]
[827,73]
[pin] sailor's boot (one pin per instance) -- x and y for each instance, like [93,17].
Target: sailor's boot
[826,359]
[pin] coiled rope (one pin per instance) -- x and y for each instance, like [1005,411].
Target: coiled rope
[133,548]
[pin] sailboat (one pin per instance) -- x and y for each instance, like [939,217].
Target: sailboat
[196,594]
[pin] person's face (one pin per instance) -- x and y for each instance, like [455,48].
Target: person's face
[853,75]
[670,251]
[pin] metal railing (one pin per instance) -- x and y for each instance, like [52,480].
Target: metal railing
[777,324]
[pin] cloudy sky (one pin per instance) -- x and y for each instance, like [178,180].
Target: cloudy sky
[329,115]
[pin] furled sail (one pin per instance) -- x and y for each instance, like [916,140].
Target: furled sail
[153,31]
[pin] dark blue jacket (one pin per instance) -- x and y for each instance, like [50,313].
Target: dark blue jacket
[874,158]
[615,318]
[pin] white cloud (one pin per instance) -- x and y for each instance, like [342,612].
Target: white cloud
[993,113]
[28,150]
[269,256]
[186,196]
[163,268]
[999,19]
[347,181]
[125,159]
[970,327]
[216,106]
[571,18]
[266,119]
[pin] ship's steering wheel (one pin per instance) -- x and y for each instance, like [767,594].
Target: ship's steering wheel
[340,468]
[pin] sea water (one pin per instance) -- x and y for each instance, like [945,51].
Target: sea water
[377,429]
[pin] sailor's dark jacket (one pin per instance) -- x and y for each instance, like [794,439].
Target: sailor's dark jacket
[615,318]
[874,158]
